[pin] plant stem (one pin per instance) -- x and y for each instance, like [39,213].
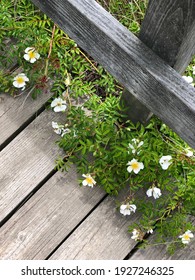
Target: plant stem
[50,50]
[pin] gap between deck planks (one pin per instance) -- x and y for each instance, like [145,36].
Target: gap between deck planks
[16,112]
[47,218]
[103,235]
[26,161]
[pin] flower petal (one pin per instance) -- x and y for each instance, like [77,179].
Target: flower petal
[84,183]
[129,169]
[27,50]
[26,57]
[32,60]
[149,192]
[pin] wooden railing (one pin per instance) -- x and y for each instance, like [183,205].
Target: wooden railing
[168,31]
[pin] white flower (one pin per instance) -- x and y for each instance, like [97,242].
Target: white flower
[188,79]
[68,80]
[133,150]
[193,70]
[31,55]
[20,81]
[60,129]
[189,153]
[88,181]
[58,104]
[140,144]
[165,161]
[156,192]
[56,128]
[65,131]
[150,231]
[126,209]
[185,238]
[136,144]
[134,166]
[135,235]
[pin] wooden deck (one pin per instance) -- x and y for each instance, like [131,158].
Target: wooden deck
[44,214]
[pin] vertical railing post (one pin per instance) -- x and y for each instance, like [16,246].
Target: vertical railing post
[169,30]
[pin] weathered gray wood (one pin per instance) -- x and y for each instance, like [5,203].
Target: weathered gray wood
[14,112]
[142,72]
[47,218]
[134,109]
[159,252]
[27,160]
[103,235]
[169,30]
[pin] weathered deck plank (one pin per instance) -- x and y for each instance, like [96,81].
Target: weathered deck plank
[47,218]
[26,161]
[160,253]
[103,235]
[14,112]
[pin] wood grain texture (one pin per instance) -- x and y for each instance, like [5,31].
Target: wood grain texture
[47,218]
[27,160]
[134,109]
[159,252]
[103,235]
[143,73]
[14,112]
[169,30]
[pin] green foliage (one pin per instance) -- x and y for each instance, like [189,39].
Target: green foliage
[98,144]
[129,13]
[22,26]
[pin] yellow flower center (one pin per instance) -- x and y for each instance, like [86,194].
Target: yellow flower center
[186,237]
[59,103]
[89,180]
[135,165]
[31,54]
[20,80]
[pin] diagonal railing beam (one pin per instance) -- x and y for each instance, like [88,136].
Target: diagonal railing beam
[152,81]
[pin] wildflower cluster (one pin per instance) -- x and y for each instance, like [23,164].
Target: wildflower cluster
[34,51]
[151,164]
[30,55]
[148,161]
